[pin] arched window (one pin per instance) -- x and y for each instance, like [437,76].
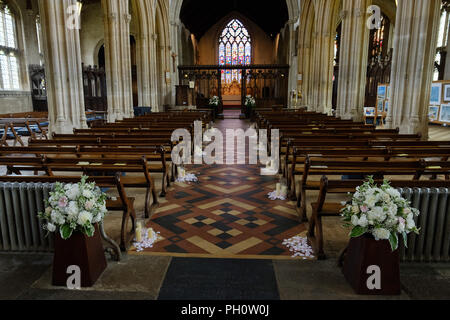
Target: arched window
[235,48]
[379,38]
[441,52]
[9,51]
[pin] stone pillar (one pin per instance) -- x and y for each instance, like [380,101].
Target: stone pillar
[447,65]
[416,29]
[143,70]
[118,59]
[322,84]
[353,59]
[305,54]
[61,46]
[176,54]
[154,77]
[292,60]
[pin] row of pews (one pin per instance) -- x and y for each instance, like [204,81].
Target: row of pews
[330,155]
[126,154]
[15,126]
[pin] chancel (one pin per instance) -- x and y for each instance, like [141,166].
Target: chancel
[224,150]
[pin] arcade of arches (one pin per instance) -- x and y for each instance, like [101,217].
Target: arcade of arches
[330,51]
[115,79]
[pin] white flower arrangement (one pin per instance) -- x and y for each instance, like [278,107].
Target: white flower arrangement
[214,101]
[74,207]
[250,101]
[380,211]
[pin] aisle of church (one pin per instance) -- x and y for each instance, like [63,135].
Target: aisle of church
[226,214]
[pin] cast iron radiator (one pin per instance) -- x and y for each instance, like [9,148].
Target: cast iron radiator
[20,227]
[432,245]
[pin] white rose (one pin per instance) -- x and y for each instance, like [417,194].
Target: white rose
[381,234]
[355,209]
[51,227]
[386,197]
[410,224]
[393,193]
[371,201]
[363,222]
[84,218]
[355,220]
[57,218]
[87,193]
[377,214]
[98,218]
[73,192]
[72,210]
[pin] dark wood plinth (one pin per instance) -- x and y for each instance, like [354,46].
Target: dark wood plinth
[79,250]
[364,252]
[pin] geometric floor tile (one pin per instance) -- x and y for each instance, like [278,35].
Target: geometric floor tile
[227,214]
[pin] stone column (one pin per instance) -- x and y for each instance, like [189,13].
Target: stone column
[353,59]
[292,60]
[118,59]
[415,40]
[154,77]
[176,54]
[61,46]
[143,70]
[322,84]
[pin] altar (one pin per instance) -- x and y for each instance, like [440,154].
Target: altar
[231,94]
[231,100]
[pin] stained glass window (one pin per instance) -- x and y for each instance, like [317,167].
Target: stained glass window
[9,63]
[235,48]
[379,39]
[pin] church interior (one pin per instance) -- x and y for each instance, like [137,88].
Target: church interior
[137,98]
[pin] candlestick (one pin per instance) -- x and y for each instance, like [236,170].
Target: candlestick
[139,232]
[278,189]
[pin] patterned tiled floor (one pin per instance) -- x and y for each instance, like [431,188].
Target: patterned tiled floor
[226,215]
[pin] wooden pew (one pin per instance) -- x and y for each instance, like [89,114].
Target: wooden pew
[321,208]
[123,203]
[378,169]
[94,166]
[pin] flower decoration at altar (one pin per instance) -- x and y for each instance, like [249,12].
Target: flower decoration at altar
[214,101]
[380,211]
[184,176]
[74,207]
[250,101]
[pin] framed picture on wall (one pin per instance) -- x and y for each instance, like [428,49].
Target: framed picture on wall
[447,92]
[445,113]
[435,97]
[380,106]
[386,106]
[369,112]
[433,113]
[381,92]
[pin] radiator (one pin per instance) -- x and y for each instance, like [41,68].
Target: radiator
[432,245]
[20,228]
